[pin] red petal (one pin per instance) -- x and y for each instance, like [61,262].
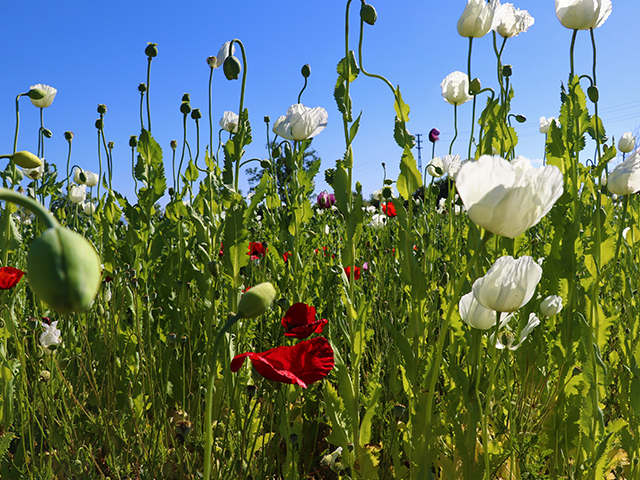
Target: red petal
[9,277]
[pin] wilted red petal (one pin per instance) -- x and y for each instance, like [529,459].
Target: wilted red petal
[300,321]
[301,364]
[256,250]
[9,277]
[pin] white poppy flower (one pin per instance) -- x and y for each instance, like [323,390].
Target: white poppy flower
[301,122]
[625,178]
[34,173]
[508,285]
[51,335]
[50,94]
[91,178]
[508,198]
[510,21]
[229,122]
[545,124]
[550,306]
[78,193]
[533,322]
[477,18]
[583,14]
[477,316]
[627,142]
[455,88]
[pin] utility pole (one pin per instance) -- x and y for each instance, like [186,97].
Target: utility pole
[419,142]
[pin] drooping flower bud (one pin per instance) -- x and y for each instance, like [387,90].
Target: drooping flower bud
[521,118]
[306,71]
[593,93]
[24,159]
[64,270]
[475,86]
[37,94]
[368,14]
[47,133]
[256,301]
[151,50]
[434,135]
[231,68]
[174,144]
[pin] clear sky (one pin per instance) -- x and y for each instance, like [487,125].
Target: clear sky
[93,52]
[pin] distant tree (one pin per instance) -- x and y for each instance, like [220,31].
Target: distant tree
[311,159]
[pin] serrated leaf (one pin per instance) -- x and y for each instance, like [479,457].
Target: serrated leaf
[235,243]
[410,178]
[348,68]
[340,433]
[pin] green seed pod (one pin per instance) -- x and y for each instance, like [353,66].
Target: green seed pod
[306,71]
[267,119]
[25,159]
[47,133]
[386,192]
[37,94]
[507,70]
[231,68]
[276,152]
[368,14]
[99,124]
[102,109]
[133,141]
[256,301]
[68,136]
[593,93]
[64,270]
[142,87]
[186,97]
[195,114]
[151,50]
[185,108]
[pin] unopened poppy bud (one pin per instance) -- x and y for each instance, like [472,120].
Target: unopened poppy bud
[213,268]
[102,109]
[185,108]
[151,50]
[434,135]
[99,124]
[47,133]
[275,152]
[306,71]
[475,86]
[195,114]
[388,181]
[265,163]
[267,119]
[100,310]
[37,94]
[368,14]
[24,159]
[521,118]
[68,136]
[64,270]
[256,301]
[507,70]
[231,68]
[593,93]
[133,141]
[174,144]
[171,191]
[142,87]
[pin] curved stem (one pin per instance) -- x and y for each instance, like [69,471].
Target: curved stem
[573,45]
[30,204]
[210,114]
[455,126]
[68,162]
[99,164]
[141,111]
[303,88]
[15,138]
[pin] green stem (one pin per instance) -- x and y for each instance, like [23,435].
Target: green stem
[148,90]
[573,45]
[210,114]
[15,138]
[30,204]
[208,446]
[455,126]
[443,335]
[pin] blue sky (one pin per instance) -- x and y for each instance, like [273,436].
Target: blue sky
[94,53]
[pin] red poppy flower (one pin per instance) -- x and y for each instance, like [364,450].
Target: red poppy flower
[301,364]
[256,250]
[9,277]
[390,209]
[221,251]
[286,256]
[300,321]
[356,273]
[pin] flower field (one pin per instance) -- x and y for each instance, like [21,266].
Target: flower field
[474,320]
